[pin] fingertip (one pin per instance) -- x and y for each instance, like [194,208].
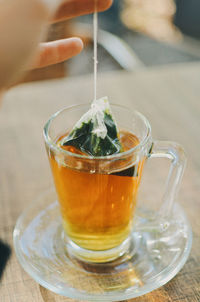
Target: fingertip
[70,47]
[77,44]
[104,5]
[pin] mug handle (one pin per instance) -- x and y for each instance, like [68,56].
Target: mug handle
[175,153]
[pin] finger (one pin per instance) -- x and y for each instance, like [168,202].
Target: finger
[74,8]
[57,51]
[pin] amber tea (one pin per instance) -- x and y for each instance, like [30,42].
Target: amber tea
[97,208]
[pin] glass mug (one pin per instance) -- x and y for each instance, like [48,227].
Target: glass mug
[98,195]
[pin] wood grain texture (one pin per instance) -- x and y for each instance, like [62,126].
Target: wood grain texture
[170,99]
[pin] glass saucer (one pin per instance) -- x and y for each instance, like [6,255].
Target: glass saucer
[156,258]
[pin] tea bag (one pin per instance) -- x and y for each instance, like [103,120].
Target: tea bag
[96,132]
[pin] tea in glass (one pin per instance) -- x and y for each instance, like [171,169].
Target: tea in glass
[97,208]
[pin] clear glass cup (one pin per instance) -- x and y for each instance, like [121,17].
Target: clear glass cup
[98,196]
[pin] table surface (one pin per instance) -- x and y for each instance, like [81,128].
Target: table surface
[170,98]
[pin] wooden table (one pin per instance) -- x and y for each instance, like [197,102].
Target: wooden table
[168,96]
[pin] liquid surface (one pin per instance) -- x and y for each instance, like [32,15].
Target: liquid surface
[97,209]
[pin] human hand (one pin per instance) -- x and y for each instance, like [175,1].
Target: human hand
[23,25]
[61,50]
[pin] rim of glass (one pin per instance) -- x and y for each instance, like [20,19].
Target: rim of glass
[55,147]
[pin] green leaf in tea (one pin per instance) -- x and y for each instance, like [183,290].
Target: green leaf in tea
[96,132]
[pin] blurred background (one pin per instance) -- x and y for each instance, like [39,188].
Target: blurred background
[132,34]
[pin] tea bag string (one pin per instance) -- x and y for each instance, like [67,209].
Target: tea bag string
[95,28]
